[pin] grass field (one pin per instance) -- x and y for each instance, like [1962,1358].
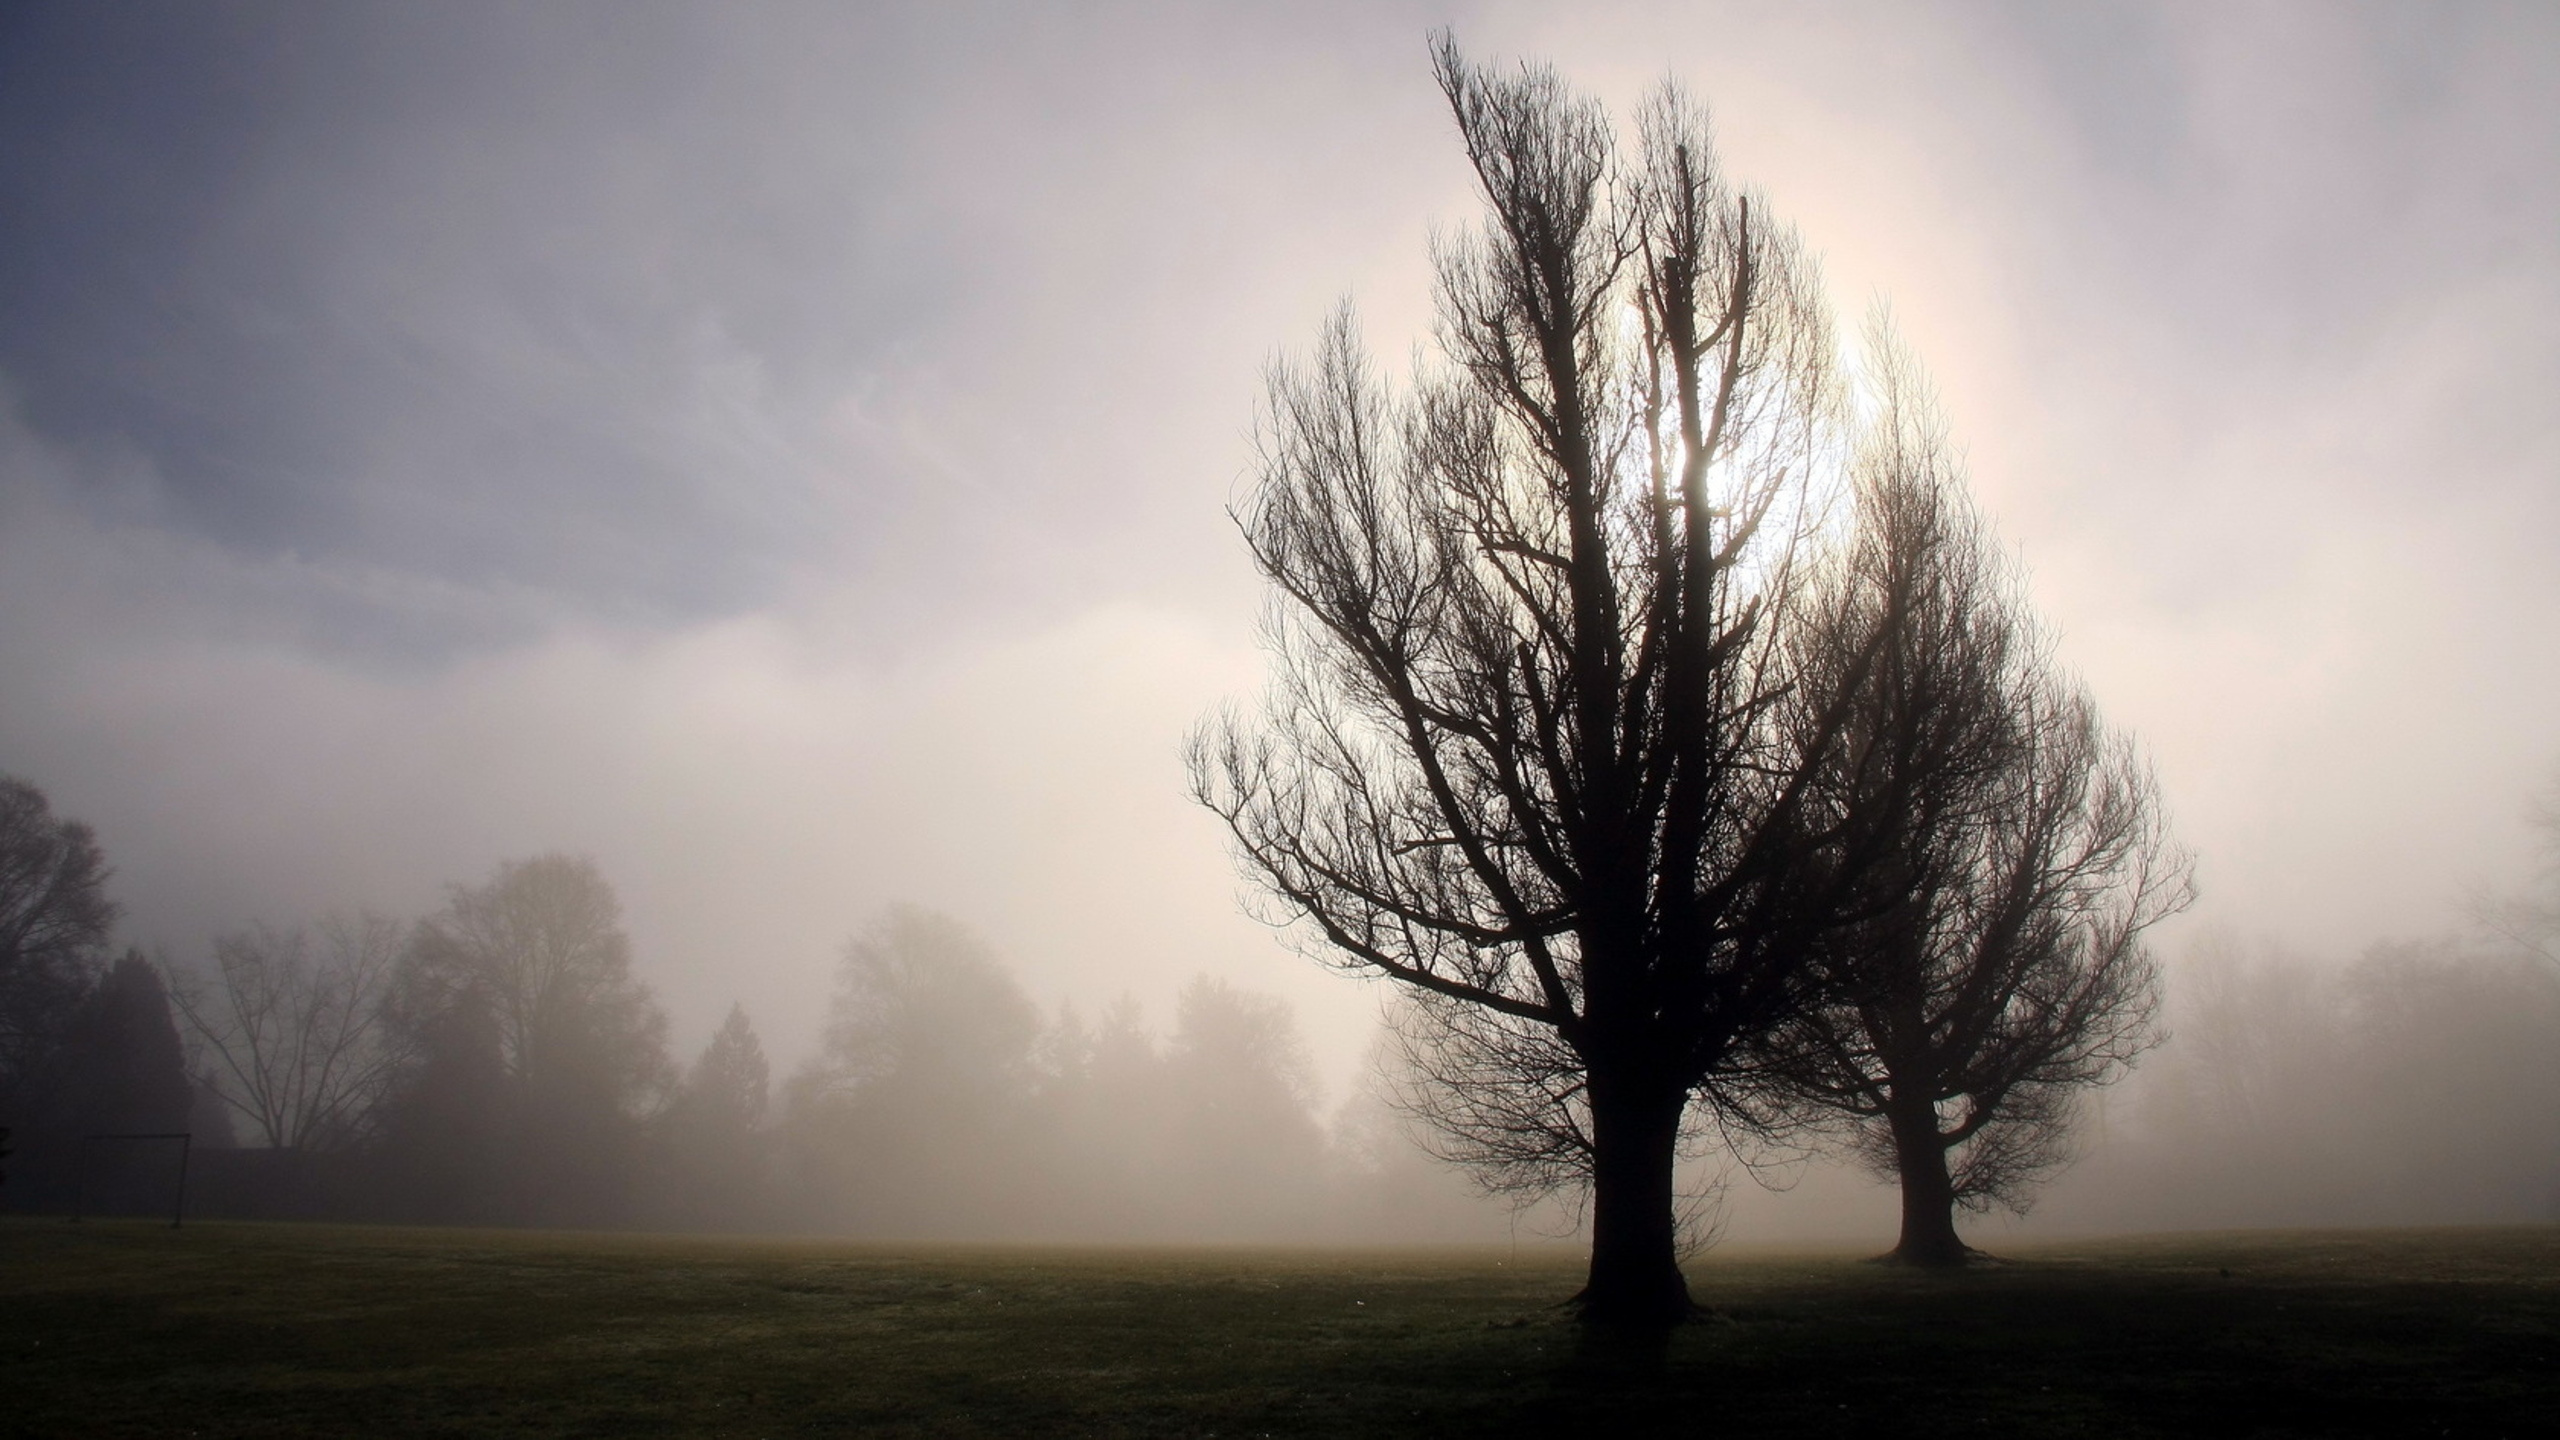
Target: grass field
[124,1328]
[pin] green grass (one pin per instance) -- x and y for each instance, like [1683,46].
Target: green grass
[123,1328]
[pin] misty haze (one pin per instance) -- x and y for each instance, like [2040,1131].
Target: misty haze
[1317,719]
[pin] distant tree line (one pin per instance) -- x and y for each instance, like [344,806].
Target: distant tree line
[2416,1083]
[498,1062]
[87,1044]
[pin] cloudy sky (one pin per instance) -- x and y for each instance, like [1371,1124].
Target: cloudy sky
[782,450]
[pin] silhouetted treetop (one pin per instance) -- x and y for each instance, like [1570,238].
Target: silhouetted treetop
[540,945]
[54,920]
[1536,743]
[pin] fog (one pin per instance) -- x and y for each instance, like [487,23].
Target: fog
[782,452]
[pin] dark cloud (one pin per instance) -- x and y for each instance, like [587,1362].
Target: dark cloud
[633,307]
[532,298]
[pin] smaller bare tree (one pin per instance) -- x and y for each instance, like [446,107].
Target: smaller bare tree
[2001,968]
[296,1028]
[2530,922]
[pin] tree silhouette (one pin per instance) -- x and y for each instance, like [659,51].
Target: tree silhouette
[715,1130]
[1249,1152]
[1533,745]
[2001,968]
[542,942]
[126,1069]
[730,1084]
[531,972]
[908,1120]
[2529,921]
[54,920]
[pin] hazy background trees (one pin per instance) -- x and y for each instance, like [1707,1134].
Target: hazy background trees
[715,1168]
[944,1104]
[1103,1113]
[499,1062]
[520,991]
[1250,1157]
[2414,1084]
[908,1121]
[123,1067]
[2411,1085]
[86,1048]
[55,918]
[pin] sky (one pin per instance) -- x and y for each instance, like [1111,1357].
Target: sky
[783,451]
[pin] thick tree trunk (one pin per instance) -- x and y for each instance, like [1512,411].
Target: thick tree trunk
[1928,1195]
[1635,1262]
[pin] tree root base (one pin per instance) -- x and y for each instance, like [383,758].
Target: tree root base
[1965,1258]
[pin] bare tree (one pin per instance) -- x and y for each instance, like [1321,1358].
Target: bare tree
[1248,1154]
[908,1118]
[1532,746]
[2001,967]
[298,1031]
[541,945]
[1502,1099]
[540,1057]
[54,919]
[2530,922]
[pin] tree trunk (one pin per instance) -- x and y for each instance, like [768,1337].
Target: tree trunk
[1635,1263]
[1928,1195]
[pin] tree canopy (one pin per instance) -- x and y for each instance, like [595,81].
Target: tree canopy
[1539,743]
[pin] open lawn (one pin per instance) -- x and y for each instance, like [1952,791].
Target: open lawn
[126,1328]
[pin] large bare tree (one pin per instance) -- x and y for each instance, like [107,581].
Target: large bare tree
[1533,746]
[2000,968]
[298,1030]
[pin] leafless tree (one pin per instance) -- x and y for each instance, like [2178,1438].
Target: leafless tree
[1248,1154]
[2001,967]
[540,1057]
[908,1119]
[297,1031]
[54,919]
[2529,922]
[1532,745]
[924,1005]
[1503,1099]
[541,946]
